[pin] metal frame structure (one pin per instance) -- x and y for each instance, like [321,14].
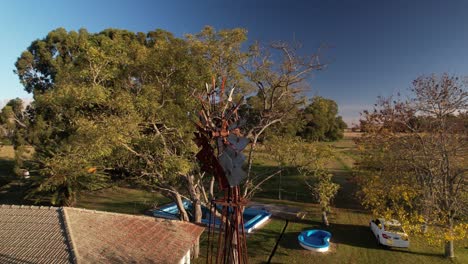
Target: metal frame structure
[221,142]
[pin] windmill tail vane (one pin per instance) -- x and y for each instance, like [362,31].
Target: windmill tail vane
[221,144]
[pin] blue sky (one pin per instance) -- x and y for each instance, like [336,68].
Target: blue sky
[378,47]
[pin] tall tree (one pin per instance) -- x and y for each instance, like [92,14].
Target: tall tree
[414,153]
[322,122]
[99,98]
[277,77]
[113,105]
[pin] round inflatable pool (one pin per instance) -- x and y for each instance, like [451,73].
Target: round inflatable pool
[315,240]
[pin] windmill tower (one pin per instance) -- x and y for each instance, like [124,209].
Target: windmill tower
[221,141]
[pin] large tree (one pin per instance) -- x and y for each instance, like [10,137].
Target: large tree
[110,104]
[277,77]
[322,122]
[414,153]
[116,105]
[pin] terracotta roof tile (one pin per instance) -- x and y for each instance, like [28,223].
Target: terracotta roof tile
[118,238]
[31,234]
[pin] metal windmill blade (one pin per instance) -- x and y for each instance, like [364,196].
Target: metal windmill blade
[237,157]
[238,143]
[239,123]
[232,162]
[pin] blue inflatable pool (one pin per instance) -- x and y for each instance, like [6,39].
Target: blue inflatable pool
[315,239]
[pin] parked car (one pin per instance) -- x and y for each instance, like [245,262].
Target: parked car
[389,233]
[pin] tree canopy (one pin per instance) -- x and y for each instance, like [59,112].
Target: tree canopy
[116,106]
[413,164]
[321,121]
[98,101]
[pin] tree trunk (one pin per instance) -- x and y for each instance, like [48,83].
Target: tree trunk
[279,185]
[180,205]
[424,228]
[196,209]
[212,183]
[249,167]
[325,218]
[197,212]
[449,251]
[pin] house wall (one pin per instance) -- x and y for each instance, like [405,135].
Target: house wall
[185,259]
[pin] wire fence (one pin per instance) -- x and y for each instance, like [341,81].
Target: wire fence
[282,194]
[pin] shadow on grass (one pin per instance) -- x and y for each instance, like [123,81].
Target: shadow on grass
[260,243]
[11,190]
[346,197]
[14,193]
[6,171]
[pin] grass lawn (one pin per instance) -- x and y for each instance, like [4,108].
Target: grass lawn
[120,200]
[352,240]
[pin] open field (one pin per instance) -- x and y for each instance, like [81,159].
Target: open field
[352,241]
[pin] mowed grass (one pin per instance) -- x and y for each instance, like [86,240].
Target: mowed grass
[120,200]
[352,240]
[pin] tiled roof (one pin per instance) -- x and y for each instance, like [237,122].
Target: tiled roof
[65,235]
[102,237]
[31,234]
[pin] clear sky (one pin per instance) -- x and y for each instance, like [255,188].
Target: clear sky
[379,47]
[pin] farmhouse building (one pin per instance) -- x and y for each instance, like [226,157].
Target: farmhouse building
[31,234]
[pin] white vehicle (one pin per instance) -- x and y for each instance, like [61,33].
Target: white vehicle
[389,233]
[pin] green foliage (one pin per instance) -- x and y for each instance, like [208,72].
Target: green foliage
[316,175]
[309,159]
[322,122]
[120,102]
[413,158]
[13,124]
[12,119]
[117,101]
[221,51]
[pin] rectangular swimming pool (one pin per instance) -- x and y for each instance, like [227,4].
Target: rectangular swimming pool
[253,217]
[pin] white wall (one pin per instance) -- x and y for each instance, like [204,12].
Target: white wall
[185,259]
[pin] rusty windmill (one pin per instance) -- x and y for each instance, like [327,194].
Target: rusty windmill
[221,142]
